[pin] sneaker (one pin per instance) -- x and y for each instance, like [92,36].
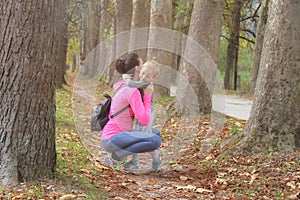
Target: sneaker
[156,165]
[130,166]
[111,162]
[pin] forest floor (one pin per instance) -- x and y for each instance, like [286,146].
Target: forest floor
[197,169]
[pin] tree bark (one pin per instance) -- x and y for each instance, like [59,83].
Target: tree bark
[91,26]
[274,123]
[233,43]
[160,17]
[140,19]
[27,69]
[259,43]
[123,9]
[202,49]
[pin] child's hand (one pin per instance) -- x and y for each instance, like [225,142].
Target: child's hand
[149,89]
[126,76]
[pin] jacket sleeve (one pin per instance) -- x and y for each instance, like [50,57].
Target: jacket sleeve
[136,84]
[141,110]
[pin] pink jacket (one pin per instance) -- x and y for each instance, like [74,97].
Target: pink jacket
[124,121]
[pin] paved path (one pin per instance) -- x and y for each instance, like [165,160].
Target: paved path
[232,105]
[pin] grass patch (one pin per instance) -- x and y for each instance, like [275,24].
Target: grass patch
[76,172]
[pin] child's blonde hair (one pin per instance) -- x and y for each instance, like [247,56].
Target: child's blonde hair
[152,66]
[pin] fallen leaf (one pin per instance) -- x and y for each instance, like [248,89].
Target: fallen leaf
[253,177]
[295,196]
[291,184]
[68,197]
[188,187]
[84,171]
[202,190]
[151,181]
[209,157]
[221,181]
[183,178]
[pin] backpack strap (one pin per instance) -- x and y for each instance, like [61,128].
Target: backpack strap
[123,109]
[120,111]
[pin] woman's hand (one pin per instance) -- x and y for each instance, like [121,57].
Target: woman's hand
[149,89]
[126,76]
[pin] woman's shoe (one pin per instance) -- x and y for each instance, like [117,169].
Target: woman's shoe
[156,165]
[130,166]
[113,164]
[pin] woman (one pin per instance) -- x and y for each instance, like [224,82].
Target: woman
[117,136]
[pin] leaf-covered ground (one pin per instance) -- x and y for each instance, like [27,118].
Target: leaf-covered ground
[200,171]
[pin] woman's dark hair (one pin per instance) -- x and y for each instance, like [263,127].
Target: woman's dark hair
[127,65]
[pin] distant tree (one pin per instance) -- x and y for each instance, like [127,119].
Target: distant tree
[259,43]
[205,29]
[27,92]
[123,17]
[160,17]
[61,39]
[182,12]
[140,19]
[123,10]
[233,45]
[274,123]
[240,22]
[90,34]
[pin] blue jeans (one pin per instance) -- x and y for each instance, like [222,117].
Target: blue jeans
[127,143]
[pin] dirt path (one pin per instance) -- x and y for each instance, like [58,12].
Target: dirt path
[175,179]
[193,167]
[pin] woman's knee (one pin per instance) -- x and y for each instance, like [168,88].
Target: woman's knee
[156,141]
[155,131]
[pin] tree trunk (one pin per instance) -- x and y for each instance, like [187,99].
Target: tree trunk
[274,123]
[140,19]
[91,26]
[74,62]
[181,24]
[200,59]
[160,17]
[232,49]
[105,26]
[61,38]
[27,117]
[123,9]
[259,43]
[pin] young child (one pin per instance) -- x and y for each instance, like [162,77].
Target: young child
[148,73]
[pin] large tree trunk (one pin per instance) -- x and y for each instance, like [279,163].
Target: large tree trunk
[233,44]
[160,17]
[200,59]
[27,117]
[274,123]
[140,19]
[259,43]
[61,32]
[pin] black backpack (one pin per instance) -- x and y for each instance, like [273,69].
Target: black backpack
[101,116]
